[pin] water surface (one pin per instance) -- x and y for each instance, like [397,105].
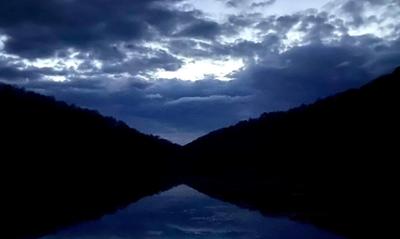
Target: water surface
[183,213]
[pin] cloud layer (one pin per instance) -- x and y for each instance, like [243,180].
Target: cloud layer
[168,67]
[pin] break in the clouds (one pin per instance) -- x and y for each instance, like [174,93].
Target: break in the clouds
[180,68]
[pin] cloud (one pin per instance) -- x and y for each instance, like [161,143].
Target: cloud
[10,73]
[364,12]
[41,28]
[248,3]
[108,54]
[305,73]
[262,3]
[201,29]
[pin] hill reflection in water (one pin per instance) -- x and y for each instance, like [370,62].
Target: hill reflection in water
[183,212]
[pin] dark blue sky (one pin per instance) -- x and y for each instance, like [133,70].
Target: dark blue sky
[181,68]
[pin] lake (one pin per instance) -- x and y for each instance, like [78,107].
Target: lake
[183,213]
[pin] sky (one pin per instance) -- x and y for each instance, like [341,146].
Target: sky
[182,68]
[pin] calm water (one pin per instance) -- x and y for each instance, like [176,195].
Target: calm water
[183,213]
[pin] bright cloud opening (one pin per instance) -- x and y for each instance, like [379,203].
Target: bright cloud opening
[195,70]
[3,40]
[56,78]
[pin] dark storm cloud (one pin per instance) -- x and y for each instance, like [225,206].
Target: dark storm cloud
[9,73]
[202,29]
[40,28]
[304,74]
[13,71]
[153,59]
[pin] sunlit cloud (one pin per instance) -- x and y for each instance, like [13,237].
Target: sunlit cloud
[194,70]
[3,40]
[56,78]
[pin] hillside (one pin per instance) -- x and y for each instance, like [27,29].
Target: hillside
[332,162]
[62,164]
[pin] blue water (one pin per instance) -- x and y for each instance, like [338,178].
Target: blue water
[183,213]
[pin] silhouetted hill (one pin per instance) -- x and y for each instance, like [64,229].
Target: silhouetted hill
[62,164]
[332,162]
